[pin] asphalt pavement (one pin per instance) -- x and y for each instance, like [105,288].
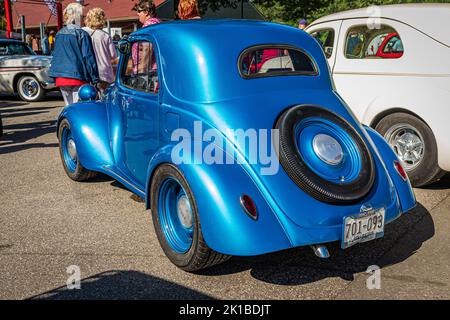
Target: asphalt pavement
[51,226]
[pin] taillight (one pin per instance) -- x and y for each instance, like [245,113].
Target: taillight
[249,206]
[400,170]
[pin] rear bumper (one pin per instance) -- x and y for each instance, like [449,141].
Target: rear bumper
[48,85]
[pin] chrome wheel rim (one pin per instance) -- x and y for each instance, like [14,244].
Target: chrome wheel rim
[72,149]
[175,215]
[69,150]
[30,87]
[408,145]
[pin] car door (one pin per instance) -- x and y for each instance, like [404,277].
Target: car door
[327,35]
[361,74]
[138,100]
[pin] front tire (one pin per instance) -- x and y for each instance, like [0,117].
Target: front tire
[176,221]
[29,89]
[69,156]
[414,144]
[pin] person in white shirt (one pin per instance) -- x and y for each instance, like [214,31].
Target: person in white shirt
[105,51]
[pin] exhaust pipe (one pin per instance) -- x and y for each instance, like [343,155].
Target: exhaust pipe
[321,251]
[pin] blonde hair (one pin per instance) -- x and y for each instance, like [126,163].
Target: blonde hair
[95,18]
[73,13]
[188,9]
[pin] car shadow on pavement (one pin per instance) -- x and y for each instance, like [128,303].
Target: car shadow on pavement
[442,184]
[298,266]
[123,285]
[10,105]
[16,136]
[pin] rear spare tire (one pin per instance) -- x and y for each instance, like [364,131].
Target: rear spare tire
[324,155]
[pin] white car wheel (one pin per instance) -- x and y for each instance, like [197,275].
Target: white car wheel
[29,89]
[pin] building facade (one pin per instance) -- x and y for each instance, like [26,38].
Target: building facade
[121,18]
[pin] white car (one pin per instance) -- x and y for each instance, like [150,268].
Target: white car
[391,65]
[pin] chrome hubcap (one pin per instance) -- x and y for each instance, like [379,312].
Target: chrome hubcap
[72,149]
[184,212]
[407,143]
[328,149]
[30,87]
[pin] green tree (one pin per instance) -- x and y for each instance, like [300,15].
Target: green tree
[290,11]
[2,16]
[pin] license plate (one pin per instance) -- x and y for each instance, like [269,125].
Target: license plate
[363,227]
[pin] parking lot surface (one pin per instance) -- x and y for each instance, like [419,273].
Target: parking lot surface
[49,223]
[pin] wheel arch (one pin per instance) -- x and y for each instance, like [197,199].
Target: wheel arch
[226,227]
[89,128]
[376,120]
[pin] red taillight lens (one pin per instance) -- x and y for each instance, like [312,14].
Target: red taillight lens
[400,170]
[249,206]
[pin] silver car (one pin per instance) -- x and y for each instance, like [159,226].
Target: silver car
[23,72]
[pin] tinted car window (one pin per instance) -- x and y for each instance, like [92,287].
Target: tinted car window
[381,43]
[140,69]
[325,38]
[9,49]
[275,61]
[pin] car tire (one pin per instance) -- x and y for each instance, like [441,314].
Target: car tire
[29,89]
[298,167]
[183,244]
[69,157]
[419,161]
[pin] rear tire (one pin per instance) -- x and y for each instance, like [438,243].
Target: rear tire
[29,89]
[69,156]
[181,240]
[414,144]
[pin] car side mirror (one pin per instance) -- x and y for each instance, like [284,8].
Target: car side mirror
[124,46]
[87,93]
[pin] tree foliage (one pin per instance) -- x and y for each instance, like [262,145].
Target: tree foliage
[290,11]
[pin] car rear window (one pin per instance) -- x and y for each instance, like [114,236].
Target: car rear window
[268,61]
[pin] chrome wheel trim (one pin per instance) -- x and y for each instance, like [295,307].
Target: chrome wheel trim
[328,149]
[72,149]
[408,144]
[184,212]
[30,87]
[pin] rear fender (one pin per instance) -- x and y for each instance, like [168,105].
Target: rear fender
[89,126]
[225,226]
[386,154]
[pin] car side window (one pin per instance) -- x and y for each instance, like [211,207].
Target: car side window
[140,71]
[380,43]
[325,38]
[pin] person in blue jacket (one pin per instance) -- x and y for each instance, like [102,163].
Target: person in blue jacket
[73,62]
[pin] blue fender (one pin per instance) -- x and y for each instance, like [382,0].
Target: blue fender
[90,131]
[404,190]
[225,226]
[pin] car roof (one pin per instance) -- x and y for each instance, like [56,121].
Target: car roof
[203,29]
[205,53]
[432,19]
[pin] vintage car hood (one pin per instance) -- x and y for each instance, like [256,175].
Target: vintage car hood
[261,112]
[25,61]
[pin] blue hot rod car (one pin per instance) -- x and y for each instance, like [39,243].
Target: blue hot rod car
[235,137]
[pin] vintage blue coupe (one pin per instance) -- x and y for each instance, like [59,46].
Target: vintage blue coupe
[192,102]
